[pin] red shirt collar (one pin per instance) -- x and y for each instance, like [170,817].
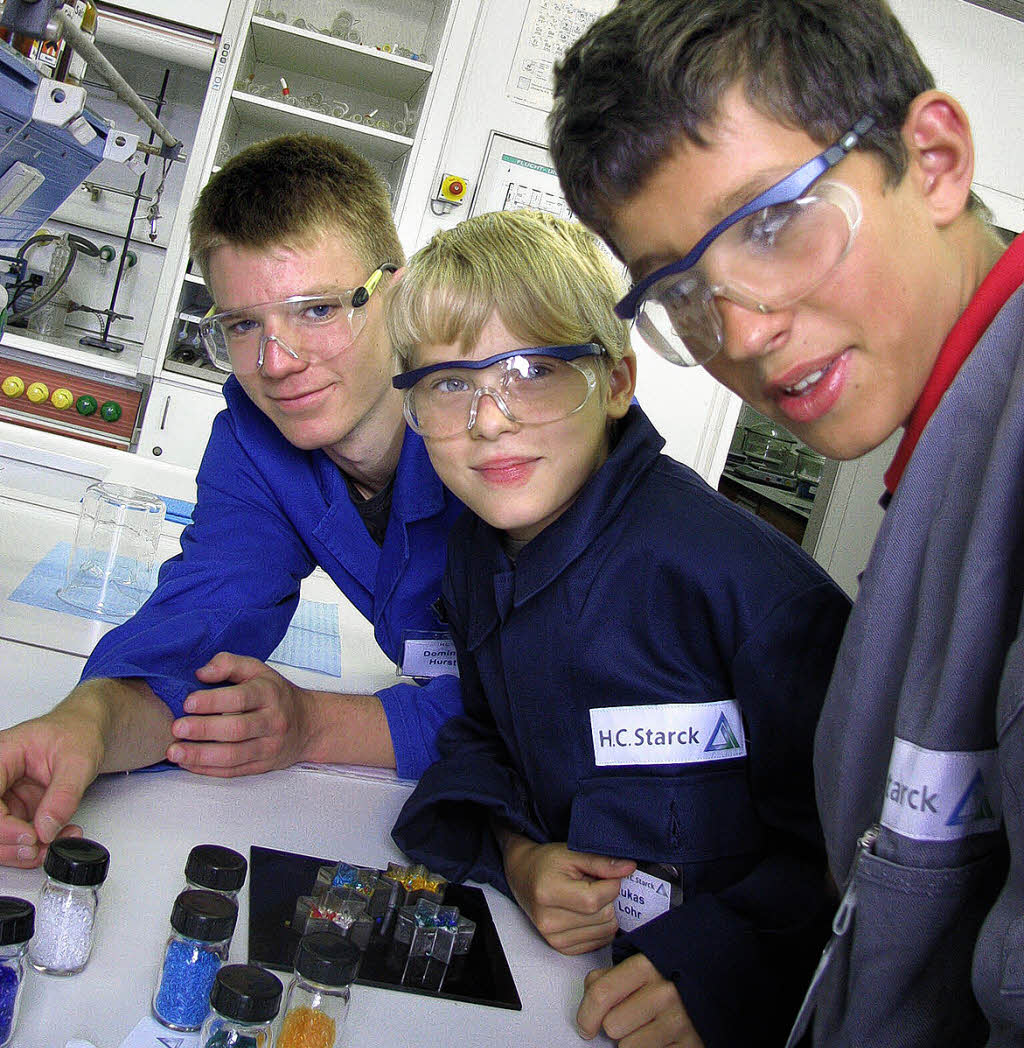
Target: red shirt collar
[1002,281]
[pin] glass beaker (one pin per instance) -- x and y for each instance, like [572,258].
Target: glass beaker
[112,565]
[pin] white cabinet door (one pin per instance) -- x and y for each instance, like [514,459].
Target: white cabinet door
[198,14]
[177,423]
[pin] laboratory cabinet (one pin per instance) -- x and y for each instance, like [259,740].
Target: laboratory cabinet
[363,73]
[106,246]
[177,421]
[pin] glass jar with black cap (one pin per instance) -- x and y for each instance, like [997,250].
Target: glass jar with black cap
[66,910]
[316,1005]
[215,868]
[17,922]
[201,927]
[244,1002]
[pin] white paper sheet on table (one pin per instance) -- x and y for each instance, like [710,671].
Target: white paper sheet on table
[148,1033]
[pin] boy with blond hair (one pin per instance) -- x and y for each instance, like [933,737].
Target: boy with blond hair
[642,661]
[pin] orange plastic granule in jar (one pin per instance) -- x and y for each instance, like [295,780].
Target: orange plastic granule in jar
[306,1028]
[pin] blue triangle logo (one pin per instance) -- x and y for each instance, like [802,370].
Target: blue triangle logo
[169,1042]
[723,737]
[973,806]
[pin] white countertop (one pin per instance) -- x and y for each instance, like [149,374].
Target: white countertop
[150,821]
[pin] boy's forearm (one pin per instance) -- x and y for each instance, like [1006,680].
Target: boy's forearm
[348,729]
[132,723]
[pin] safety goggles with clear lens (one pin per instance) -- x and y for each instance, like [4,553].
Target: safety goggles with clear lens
[530,387]
[765,256]
[312,328]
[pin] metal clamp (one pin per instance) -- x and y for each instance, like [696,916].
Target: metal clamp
[57,103]
[120,146]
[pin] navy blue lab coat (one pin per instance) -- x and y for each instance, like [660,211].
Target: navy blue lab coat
[650,589]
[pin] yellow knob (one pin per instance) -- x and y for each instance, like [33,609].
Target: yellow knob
[37,392]
[62,398]
[13,386]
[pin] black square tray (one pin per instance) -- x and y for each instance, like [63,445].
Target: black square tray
[277,879]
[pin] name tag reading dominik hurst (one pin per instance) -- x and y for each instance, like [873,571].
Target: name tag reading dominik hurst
[427,654]
[669,733]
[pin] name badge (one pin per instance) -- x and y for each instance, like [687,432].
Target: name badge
[428,655]
[941,795]
[641,899]
[672,733]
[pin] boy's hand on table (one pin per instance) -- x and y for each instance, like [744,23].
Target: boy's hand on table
[570,896]
[636,1007]
[257,722]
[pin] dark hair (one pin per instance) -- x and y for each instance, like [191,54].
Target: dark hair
[293,190]
[652,72]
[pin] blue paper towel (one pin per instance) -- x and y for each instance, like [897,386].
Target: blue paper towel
[312,641]
[178,510]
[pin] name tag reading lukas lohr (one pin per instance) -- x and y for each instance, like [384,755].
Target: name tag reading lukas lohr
[669,733]
[426,654]
[642,897]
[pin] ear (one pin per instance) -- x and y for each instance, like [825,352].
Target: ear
[937,135]
[621,386]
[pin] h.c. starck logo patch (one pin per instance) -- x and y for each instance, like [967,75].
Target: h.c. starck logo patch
[667,733]
[941,795]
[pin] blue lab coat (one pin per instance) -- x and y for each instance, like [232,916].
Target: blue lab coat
[267,515]
[650,589]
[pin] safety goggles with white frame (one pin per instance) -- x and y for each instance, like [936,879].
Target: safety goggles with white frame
[319,327]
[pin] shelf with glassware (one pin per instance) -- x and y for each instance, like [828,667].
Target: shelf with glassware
[187,355]
[338,60]
[370,100]
[362,76]
[409,31]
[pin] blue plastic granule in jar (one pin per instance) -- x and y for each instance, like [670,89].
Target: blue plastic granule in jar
[9,982]
[201,926]
[188,974]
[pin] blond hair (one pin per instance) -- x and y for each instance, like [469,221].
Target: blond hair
[293,191]
[546,278]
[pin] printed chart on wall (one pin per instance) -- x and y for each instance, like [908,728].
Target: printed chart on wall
[516,174]
[549,28]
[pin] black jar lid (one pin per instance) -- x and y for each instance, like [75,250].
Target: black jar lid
[17,920]
[327,958]
[247,993]
[204,915]
[75,860]
[215,867]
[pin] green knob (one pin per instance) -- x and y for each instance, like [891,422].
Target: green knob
[107,253]
[110,411]
[86,405]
